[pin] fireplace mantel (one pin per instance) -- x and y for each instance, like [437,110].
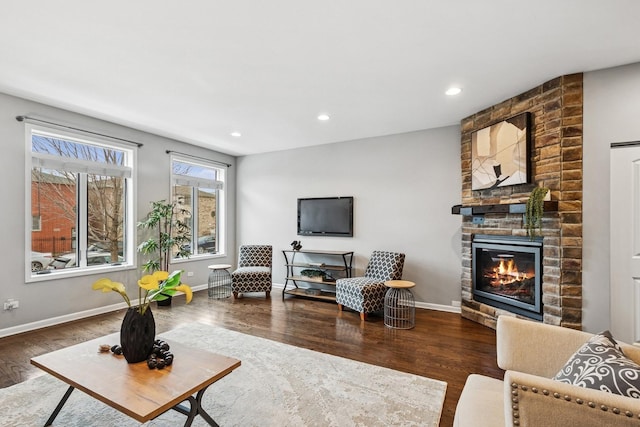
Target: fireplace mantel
[513,208]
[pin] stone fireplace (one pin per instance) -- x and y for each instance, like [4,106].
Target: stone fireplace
[497,213]
[506,272]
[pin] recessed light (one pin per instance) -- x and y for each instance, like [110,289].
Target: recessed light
[323,117]
[236,134]
[453,91]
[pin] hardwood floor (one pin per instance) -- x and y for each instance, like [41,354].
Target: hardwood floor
[443,346]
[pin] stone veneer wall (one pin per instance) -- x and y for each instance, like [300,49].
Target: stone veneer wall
[556,161]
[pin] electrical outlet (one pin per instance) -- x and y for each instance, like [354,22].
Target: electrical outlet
[11,304]
[189,273]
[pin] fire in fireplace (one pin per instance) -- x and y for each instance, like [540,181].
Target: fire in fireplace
[506,272]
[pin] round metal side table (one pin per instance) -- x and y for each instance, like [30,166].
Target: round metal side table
[219,284]
[399,305]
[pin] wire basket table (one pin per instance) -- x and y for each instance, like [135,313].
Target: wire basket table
[219,283]
[399,305]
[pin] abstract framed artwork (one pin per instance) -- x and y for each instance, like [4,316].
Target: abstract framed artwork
[500,153]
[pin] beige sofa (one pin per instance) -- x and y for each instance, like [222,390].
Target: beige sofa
[532,353]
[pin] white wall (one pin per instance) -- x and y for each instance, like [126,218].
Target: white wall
[63,298]
[403,187]
[611,114]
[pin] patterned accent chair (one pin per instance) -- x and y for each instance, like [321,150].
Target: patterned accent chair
[366,294]
[254,270]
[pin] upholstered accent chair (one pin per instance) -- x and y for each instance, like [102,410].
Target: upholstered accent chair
[254,270]
[533,355]
[366,294]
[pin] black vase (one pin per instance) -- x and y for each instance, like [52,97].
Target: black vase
[137,335]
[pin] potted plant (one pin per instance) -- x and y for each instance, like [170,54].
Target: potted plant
[137,332]
[313,274]
[535,210]
[170,235]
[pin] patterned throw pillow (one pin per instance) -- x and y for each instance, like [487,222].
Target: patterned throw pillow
[600,364]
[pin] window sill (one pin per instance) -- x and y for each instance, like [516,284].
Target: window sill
[198,257]
[72,272]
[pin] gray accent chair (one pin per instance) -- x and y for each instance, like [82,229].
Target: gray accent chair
[254,270]
[366,294]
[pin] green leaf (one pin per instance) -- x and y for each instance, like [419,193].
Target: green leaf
[173,279]
[161,294]
[170,235]
[151,266]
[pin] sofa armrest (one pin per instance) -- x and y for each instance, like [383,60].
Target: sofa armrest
[538,401]
[535,348]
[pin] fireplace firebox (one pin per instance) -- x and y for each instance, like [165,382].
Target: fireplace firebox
[507,273]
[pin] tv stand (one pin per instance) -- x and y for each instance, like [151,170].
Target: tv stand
[326,266]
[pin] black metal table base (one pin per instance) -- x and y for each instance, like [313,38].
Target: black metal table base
[195,408]
[56,411]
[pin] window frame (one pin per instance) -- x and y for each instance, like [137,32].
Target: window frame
[37,227]
[81,220]
[221,202]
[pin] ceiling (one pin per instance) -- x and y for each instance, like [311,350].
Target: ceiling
[199,70]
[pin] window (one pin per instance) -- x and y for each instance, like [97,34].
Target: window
[36,223]
[82,197]
[198,190]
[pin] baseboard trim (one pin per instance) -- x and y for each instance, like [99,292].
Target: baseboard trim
[438,307]
[425,305]
[60,319]
[114,307]
[53,321]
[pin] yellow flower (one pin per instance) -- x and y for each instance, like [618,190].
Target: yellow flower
[102,284]
[119,287]
[158,286]
[107,285]
[187,291]
[148,282]
[160,275]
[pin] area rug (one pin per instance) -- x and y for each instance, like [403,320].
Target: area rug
[277,385]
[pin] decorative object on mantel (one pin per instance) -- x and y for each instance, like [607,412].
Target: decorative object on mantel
[296,245]
[535,210]
[500,153]
[171,231]
[138,329]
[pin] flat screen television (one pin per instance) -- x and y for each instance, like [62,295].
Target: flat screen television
[325,216]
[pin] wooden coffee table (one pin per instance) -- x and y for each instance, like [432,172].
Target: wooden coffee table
[134,389]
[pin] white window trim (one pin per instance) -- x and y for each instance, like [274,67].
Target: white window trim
[219,185]
[49,161]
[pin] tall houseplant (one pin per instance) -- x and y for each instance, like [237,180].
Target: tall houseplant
[535,210]
[169,234]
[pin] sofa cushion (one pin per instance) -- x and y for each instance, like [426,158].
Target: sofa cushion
[600,364]
[481,403]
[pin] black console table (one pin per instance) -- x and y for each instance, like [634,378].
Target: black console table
[331,264]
